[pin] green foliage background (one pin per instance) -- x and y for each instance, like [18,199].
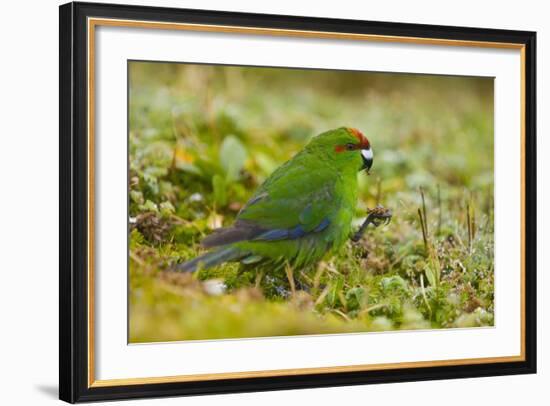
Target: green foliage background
[202,138]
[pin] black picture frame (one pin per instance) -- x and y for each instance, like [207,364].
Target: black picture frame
[73,288]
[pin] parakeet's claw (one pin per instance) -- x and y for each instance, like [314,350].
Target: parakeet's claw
[377,216]
[380,215]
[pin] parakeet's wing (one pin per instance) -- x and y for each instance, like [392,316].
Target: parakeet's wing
[297,199]
[300,196]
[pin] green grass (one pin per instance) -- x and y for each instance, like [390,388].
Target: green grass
[203,138]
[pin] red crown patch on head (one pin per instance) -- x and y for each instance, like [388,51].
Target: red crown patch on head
[363,141]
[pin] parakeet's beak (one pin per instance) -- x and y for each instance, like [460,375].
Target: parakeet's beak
[367,156]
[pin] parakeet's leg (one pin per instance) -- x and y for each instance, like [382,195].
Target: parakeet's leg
[376,216]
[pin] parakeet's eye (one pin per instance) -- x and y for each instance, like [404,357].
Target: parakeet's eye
[350,147]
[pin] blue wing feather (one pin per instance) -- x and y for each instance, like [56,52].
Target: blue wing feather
[290,233]
[322,225]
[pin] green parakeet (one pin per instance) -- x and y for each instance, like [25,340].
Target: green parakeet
[301,212]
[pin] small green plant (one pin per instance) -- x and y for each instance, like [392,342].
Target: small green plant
[433,267]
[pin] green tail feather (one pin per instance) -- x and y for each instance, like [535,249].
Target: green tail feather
[210,259]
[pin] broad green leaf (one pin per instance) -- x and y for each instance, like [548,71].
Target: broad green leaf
[356,298]
[149,206]
[136,196]
[187,167]
[167,208]
[219,187]
[232,157]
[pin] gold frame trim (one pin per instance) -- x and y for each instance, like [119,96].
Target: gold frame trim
[94,22]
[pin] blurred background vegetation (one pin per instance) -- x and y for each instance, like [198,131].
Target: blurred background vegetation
[202,138]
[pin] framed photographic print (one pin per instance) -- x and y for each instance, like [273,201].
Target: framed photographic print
[257,202]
